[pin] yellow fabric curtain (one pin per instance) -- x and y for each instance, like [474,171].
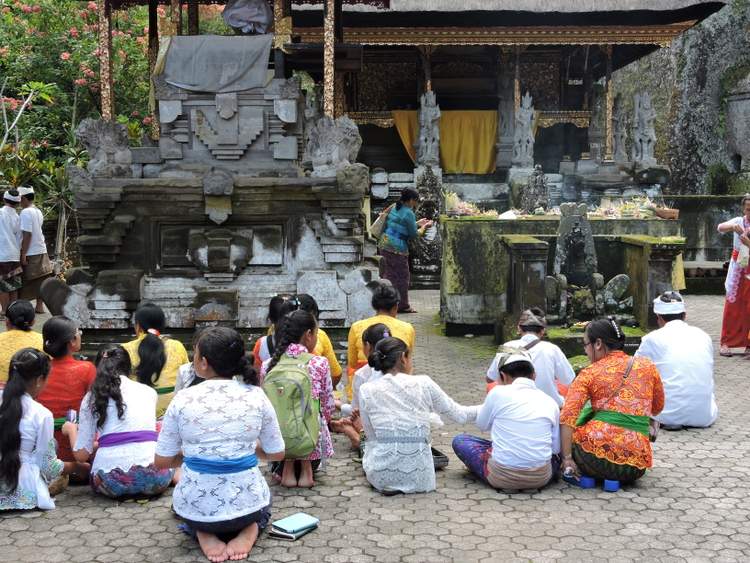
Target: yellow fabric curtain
[467,139]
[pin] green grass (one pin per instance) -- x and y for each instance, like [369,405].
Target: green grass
[562,332]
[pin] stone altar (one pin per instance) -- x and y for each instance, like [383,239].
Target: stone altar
[220,216]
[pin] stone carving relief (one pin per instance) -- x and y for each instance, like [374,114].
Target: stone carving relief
[523,138]
[218,186]
[620,130]
[536,193]
[428,143]
[644,131]
[107,145]
[427,251]
[333,144]
[219,250]
[575,255]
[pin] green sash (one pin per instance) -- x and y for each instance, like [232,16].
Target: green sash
[164,390]
[636,423]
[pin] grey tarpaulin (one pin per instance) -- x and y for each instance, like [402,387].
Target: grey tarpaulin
[248,16]
[214,63]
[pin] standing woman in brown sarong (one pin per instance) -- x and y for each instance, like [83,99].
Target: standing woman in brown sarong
[401,226]
[34,259]
[10,251]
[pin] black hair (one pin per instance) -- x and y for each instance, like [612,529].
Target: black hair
[12,192]
[57,332]
[112,363]
[387,354]
[224,350]
[290,331]
[308,303]
[385,297]
[274,307]
[26,366]
[289,306]
[151,353]
[518,369]
[29,197]
[21,315]
[745,199]
[407,194]
[608,331]
[670,318]
[375,333]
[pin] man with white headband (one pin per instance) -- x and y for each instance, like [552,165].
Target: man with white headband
[10,250]
[684,356]
[34,260]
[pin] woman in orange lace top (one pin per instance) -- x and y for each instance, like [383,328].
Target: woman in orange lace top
[614,442]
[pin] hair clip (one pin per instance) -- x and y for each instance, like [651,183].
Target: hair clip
[386,334]
[154,332]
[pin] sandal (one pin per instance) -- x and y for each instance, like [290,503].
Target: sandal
[726,352]
[408,311]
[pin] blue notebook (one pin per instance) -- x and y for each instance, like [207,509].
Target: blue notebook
[296,523]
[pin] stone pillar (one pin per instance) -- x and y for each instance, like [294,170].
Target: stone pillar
[505,112]
[105,59]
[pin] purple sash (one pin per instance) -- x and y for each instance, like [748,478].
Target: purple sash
[120,438]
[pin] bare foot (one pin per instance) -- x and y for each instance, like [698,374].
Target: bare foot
[306,480]
[288,478]
[213,548]
[241,546]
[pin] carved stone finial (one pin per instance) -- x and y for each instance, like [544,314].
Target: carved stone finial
[107,145]
[333,144]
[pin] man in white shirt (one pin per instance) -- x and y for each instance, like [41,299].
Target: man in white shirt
[10,250]
[524,423]
[684,356]
[550,364]
[34,260]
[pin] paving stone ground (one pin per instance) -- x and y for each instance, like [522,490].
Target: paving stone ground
[693,506]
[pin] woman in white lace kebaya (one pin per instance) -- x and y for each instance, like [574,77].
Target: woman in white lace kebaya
[395,411]
[217,431]
[29,468]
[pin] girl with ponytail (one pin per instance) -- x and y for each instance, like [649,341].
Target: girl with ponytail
[296,336]
[29,468]
[19,322]
[122,412]
[68,382]
[395,410]
[622,393]
[221,427]
[155,358]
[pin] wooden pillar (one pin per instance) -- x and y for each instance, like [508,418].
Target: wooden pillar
[175,15]
[609,138]
[153,34]
[282,29]
[517,82]
[105,60]
[193,23]
[329,58]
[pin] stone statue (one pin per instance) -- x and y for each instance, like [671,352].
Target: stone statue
[575,255]
[505,110]
[107,145]
[536,192]
[523,138]
[620,130]
[596,125]
[313,112]
[644,133]
[427,251]
[333,144]
[428,143]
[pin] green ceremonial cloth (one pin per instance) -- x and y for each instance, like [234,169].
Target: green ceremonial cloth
[59,423]
[634,422]
[164,390]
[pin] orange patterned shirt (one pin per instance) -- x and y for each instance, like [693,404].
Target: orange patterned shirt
[642,394]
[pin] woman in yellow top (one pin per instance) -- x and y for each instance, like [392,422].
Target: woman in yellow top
[155,359]
[19,320]
[385,301]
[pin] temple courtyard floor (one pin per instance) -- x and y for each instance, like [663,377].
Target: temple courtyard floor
[693,506]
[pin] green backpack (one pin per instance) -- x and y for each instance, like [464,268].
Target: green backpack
[289,389]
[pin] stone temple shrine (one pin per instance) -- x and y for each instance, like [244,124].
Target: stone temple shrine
[275,145]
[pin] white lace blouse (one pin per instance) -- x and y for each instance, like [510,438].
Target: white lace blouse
[140,414]
[395,412]
[39,464]
[219,419]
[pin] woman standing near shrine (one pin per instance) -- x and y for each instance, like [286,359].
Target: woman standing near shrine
[155,359]
[610,440]
[735,329]
[400,227]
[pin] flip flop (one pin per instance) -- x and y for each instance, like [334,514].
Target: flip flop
[726,352]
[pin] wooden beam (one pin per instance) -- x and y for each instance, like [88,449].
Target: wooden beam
[329,58]
[105,60]
[193,18]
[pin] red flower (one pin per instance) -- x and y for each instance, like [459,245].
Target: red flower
[92,6]
[64,56]
[80,82]
[148,120]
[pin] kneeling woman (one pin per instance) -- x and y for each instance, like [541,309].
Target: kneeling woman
[610,438]
[122,412]
[222,427]
[395,411]
[30,472]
